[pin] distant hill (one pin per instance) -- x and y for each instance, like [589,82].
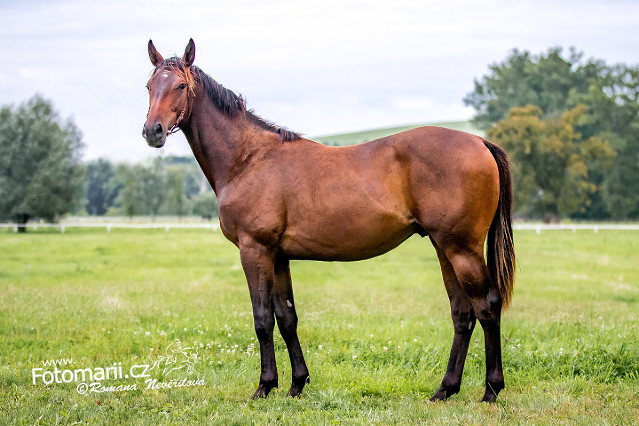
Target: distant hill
[368,135]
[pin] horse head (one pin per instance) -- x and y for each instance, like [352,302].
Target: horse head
[171,93]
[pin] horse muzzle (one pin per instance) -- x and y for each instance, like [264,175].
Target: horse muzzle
[155,134]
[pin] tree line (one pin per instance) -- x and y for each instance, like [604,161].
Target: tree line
[42,175]
[571,129]
[163,186]
[569,125]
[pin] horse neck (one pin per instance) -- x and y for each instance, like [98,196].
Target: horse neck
[223,146]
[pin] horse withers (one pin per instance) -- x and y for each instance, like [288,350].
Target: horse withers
[284,197]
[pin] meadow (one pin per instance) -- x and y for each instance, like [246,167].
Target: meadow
[376,333]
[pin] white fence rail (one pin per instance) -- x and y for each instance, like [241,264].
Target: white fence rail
[538,228]
[595,227]
[109,226]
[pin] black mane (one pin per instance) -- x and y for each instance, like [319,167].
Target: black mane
[227,102]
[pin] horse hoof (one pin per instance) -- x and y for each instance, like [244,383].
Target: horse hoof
[445,392]
[294,392]
[259,394]
[297,386]
[263,390]
[440,395]
[489,398]
[492,390]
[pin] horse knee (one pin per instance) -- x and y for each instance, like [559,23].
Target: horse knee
[472,274]
[264,323]
[488,308]
[463,319]
[474,278]
[287,323]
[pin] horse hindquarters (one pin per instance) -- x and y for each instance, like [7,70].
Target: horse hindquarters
[477,290]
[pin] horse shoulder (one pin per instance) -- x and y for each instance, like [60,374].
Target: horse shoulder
[252,207]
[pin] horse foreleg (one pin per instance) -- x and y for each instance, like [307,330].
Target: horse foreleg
[463,323]
[258,264]
[286,316]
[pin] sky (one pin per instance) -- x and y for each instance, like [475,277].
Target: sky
[315,67]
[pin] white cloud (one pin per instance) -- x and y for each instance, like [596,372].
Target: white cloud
[316,67]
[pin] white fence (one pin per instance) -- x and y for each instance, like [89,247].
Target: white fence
[108,226]
[596,227]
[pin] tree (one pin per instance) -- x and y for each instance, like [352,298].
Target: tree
[102,187]
[144,188]
[129,197]
[194,182]
[40,170]
[547,81]
[613,114]
[205,204]
[176,197]
[556,85]
[153,181]
[551,161]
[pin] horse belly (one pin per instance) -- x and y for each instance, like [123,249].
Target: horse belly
[349,237]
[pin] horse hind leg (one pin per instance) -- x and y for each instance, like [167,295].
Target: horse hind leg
[472,273]
[464,321]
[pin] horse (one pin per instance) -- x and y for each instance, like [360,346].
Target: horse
[282,197]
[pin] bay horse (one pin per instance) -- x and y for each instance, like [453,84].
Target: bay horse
[284,197]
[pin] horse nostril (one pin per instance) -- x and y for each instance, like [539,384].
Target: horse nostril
[158,130]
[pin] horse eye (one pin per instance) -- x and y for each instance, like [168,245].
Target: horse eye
[182,86]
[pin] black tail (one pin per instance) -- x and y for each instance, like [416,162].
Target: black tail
[500,245]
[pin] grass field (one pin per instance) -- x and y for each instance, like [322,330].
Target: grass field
[376,333]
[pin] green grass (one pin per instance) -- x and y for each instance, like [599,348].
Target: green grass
[353,138]
[376,333]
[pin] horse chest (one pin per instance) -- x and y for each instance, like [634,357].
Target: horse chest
[259,221]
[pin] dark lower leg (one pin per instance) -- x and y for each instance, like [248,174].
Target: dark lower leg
[490,311]
[258,264]
[268,376]
[494,370]
[286,316]
[463,321]
[452,379]
[472,274]
[298,365]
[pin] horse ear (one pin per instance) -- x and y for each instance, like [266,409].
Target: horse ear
[189,54]
[154,55]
